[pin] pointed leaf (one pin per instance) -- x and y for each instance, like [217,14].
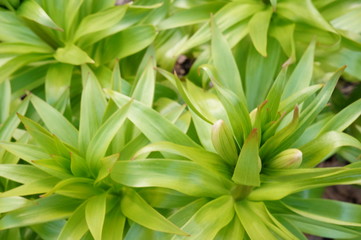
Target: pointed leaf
[31,10]
[21,173]
[324,146]
[26,152]
[76,226]
[43,210]
[72,54]
[8,204]
[344,118]
[258,30]
[92,110]
[104,135]
[8,127]
[156,128]
[254,226]
[114,224]
[144,90]
[128,42]
[183,176]
[248,166]
[56,122]
[95,215]
[57,81]
[342,213]
[200,156]
[30,188]
[5,100]
[100,20]
[202,226]
[139,211]
[225,64]
[302,74]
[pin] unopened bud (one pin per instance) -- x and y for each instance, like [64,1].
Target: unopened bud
[290,158]
[223,142]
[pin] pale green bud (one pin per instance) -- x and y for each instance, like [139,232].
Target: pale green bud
[290,158]
[223,142]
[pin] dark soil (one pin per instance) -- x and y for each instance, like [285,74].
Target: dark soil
[183,65]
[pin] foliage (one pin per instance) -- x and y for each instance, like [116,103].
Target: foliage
[99,140]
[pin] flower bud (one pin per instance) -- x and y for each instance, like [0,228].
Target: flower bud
[290,158]
[223,142]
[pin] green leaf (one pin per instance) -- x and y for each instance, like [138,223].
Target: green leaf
[100,142]
[257,83]
[190,16]
[200,156]
[95,215]
[234,230]
[344,118]
[302,75]
[75,187]
[298,97]
[194,104]
[48,230]
[114,224]
[10,124]
[139,211]
[11,66]
[282,183]
[30,188]
[225,65]
[156,128]
[13,30]
[236,107]
[203,225]
[49,142]
[31,10]
[56,122]
[324,146]
[72,54]
[165,198]
[252,223]
[342,213]
[71,10]
[5,100]
[183,176]
[26,152]
[258,30]
[76,226]
[107,164]
[57,81]
[43,210]
[275,93]
[128,42]
[93,105]
[247,170]
[21,173]
[284,35]
[8,204]
[301,11]
[227,16]
[144,89]
[100,20]
[323,229]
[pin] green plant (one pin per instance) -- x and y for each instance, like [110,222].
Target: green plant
[110,145]
[251,167]
[66,172]
[43,42]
